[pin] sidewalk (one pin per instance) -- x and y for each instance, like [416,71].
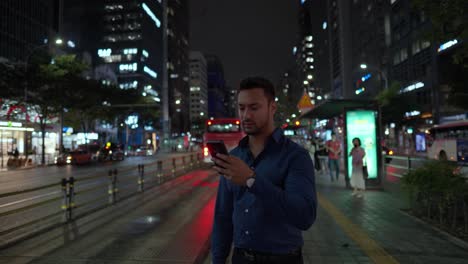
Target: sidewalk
[379,228]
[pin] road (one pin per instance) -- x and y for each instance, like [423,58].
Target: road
[23,179]
[33,199]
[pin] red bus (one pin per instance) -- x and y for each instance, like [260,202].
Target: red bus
[225,129]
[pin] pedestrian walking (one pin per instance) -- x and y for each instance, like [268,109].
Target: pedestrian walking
[334,150]
[357,176]
[266,194]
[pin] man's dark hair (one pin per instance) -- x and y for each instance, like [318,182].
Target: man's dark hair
[258,82]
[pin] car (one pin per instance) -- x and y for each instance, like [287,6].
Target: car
[80,156]
[62,159]
[387,152]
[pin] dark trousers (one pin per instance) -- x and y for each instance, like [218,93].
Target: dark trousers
[241,256]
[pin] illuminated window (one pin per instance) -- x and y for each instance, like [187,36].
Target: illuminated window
[132,67]
[130,51]
[150,72]
[113,58]
[129,85]
[151,15]
[104,52]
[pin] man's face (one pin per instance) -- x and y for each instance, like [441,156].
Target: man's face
[255,111]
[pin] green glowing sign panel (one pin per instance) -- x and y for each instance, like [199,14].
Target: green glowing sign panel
[362,124]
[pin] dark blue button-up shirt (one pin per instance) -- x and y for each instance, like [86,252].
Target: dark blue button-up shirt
[269,216]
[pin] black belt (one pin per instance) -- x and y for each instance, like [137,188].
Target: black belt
[264,257]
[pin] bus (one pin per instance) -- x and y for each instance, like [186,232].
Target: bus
[225,129]
[449,142]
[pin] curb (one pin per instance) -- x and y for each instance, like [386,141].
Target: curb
[455,240]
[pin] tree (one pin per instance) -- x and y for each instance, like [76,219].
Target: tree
[93,101]
[48,92]
[393,106]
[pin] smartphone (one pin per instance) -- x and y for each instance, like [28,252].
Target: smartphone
[216,146]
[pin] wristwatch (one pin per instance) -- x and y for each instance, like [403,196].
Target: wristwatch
[250,180]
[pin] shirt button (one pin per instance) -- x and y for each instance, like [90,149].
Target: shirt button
[246,210]
[247,232]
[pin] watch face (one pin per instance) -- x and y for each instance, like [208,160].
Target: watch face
[250,182]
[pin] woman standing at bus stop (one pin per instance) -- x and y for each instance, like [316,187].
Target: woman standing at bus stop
[357,176]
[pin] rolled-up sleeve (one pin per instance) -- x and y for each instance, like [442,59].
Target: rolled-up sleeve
[222,228]
[297,202]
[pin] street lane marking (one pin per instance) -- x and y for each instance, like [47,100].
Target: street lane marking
[367,244]
[28,199]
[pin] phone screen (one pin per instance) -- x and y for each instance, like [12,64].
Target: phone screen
[216,146]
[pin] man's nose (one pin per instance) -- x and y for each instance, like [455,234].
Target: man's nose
[246,114]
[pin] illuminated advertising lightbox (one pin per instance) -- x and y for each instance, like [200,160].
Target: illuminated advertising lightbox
[362,124]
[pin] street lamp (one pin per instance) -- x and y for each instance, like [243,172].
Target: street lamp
[363,66]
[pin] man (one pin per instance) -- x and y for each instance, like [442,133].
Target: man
[266,194]
[334,149]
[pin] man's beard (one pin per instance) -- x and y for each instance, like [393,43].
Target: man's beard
[254,129]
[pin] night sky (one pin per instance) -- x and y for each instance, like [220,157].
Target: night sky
[251,37]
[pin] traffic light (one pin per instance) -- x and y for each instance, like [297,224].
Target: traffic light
[298,123]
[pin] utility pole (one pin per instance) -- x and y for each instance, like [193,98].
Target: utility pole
[165,82]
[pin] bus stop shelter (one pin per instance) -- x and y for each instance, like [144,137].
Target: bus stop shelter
[361,119]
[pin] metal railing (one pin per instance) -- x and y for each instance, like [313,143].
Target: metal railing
[400,165]
[30,212]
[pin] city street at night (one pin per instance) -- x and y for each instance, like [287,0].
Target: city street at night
[233,132]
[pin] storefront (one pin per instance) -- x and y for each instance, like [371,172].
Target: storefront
[14,137]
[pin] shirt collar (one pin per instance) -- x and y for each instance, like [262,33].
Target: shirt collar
[277,135]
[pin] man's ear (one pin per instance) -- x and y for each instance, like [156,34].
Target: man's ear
[274,107]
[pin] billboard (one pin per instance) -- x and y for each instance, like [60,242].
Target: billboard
[420,142]
[362,124]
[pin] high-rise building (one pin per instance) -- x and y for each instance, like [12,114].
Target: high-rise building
[339,35]
[370,42]
[320,50]
[131,41]
[414,59]
[198,100]
[178,64]
[216,87]
[26,26]
[304,54]
[126,36]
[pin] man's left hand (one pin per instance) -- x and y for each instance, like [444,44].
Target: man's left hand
[232,168]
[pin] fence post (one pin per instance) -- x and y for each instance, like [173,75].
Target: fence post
[191,161]
[160,170]
[114,185]
[183,163]
[409,163]
[141,180]
[64,199]
[71,197]
[110,188]
[173,166]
